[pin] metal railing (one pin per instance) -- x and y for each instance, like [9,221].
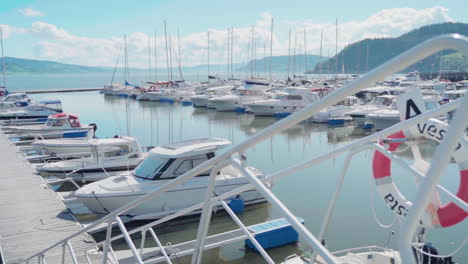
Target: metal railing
[409,225]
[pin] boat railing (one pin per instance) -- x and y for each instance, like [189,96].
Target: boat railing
[409,224]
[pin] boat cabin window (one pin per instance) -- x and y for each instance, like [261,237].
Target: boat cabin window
[115,151]
[189,164]
[294,97]
[152,168]
[55,122]
[431,105]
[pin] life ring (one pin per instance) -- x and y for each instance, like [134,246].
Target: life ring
[436,215]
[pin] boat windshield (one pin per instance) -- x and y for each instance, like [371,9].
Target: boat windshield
[148,168]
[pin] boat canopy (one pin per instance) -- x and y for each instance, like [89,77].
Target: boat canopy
[61,119]
[188,148]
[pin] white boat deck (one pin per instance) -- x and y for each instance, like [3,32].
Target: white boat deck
[32,217]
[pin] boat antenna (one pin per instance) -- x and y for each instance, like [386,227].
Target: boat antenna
[3,59]
[117,63]
[149,58]
[167,52]
[289,51]
[179,56]
[155,58]
[271,45]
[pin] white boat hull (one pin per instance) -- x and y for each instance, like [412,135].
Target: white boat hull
[183,196]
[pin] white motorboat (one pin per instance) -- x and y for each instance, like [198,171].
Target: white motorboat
[55,127]
[14,101]
[107,156]
[288,101]
[377,103]
[71,145]
[248,93]
[163,164]
[36,110]
[336,112]
[389,116]
[124,90]
[362,255]
[202,100]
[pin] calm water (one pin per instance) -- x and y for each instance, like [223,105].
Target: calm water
[306,193]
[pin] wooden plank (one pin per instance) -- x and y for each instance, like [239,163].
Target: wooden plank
[32,217]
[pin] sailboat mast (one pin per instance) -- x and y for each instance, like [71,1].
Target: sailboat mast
[289,51]
[336,49]
[271,45]
[228,50]
[149,58]
[208,54]
[367,57]
[167,51]
[3,60]
[321,45]
[179,56]
[252,65]
[305,51]
[125,59]
[232,52]
[155,58]
[170,55]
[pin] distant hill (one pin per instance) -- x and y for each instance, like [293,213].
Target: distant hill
[280,64]
[28,66]
[353,58]
[19,65]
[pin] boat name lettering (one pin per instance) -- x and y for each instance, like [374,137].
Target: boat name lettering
[394,205]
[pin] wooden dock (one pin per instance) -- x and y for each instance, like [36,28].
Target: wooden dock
[32,217]
[74,90]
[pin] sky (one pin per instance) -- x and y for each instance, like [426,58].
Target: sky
[90,32]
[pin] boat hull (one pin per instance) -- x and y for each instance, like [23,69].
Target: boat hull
[183,196]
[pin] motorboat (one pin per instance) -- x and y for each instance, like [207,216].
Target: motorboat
[377,103]
[389,116]
[153,90]
[289,100]
[124,90]
[163,164]
[107,157]
[55,127]
[72,145]
[248,93]
[14,100]
[37,110]
[202,99]
[337,112]
[361,255]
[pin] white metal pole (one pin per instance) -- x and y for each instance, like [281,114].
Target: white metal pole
[309,238]
[247,232]
[438,164]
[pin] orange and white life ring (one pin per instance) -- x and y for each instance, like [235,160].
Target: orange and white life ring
[436,215]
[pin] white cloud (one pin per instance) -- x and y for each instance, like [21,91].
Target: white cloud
[57,44]
[29,12]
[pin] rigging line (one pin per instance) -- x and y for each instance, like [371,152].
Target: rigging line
[116,63]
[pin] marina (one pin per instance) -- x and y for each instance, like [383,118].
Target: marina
[240,166]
